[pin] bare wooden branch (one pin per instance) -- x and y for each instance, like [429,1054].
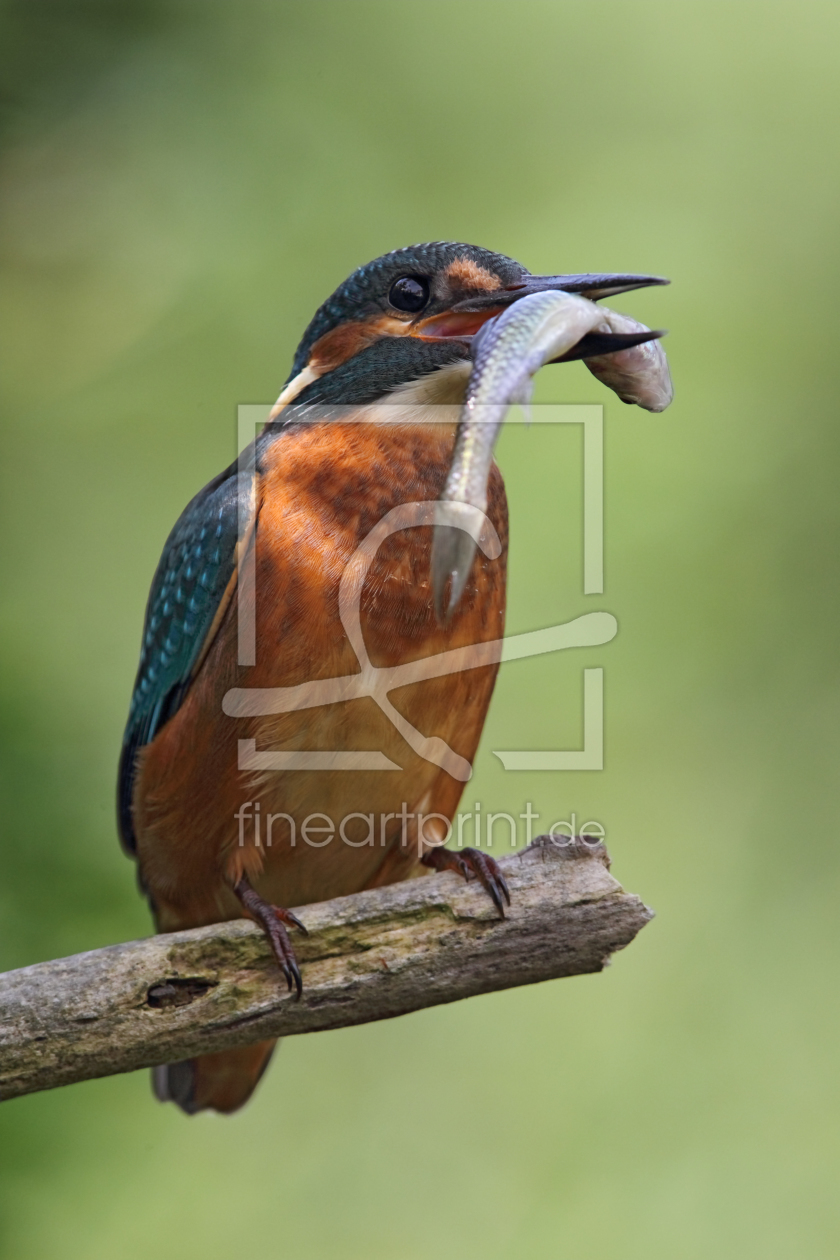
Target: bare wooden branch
[370,956]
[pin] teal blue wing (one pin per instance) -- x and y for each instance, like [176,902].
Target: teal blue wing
[188,587]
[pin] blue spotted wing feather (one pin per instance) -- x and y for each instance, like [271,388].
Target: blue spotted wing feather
[190,583]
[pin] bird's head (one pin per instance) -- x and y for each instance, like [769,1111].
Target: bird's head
[411,315]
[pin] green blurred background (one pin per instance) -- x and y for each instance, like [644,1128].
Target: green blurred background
[182,184]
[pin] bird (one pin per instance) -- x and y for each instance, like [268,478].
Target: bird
[214,841]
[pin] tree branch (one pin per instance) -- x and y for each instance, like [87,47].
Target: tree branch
[370,956]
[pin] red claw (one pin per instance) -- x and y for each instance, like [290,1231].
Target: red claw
[472,864]
[272,919]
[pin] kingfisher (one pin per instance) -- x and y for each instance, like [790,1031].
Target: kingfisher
[349,441]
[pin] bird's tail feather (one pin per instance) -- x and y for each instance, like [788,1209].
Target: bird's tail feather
[219,1082]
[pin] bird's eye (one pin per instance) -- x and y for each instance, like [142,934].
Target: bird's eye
[409,293]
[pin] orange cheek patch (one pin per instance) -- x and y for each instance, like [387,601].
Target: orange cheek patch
[463,273]
[343,342]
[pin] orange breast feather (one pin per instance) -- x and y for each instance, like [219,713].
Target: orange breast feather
[322,491]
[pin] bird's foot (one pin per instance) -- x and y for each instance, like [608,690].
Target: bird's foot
[272,919]
[472,864]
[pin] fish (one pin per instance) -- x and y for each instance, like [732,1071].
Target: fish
[638,374]
[507,353]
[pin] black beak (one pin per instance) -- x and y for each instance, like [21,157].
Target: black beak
[464,319]
[593,285]
[593,344]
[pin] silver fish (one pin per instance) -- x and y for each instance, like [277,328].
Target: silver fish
[507,354]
